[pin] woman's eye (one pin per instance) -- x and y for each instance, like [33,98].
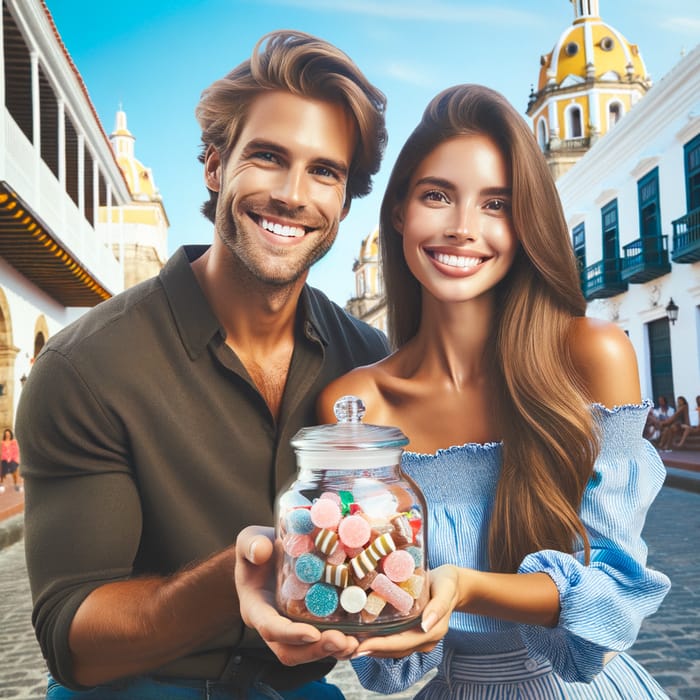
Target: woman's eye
[497,205]
[434,196]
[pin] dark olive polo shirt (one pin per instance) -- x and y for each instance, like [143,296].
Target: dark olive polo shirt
[146,446]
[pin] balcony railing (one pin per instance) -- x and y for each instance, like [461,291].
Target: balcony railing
[686,238]
[645,259]
[603,279]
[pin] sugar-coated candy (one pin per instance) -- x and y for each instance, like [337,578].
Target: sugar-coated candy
[297,608]
[398,565]
[326,540]
[393,595]
[336,575]
[373,607]
[293,588]
[296,545]
[321,599]
[346,501]
[309,568]
[353,599]
[325,513]
[402,532]
[337,556]
[299,521]
[413,585]
[332,495]
[417,554]
[354,531]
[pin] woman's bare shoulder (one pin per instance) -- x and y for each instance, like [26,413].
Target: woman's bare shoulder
[606,362]
[363,382]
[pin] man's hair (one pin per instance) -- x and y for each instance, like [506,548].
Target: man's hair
[303,65]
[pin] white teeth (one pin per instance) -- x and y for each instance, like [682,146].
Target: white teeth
[279,230]
[456,260]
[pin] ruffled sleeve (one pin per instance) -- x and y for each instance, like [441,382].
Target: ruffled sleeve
[603,604]
[395,675]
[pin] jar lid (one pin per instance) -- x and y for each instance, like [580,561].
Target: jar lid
[349,441]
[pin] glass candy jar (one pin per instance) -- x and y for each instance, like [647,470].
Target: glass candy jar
[350,529]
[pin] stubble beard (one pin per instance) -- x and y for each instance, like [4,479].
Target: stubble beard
[287,272]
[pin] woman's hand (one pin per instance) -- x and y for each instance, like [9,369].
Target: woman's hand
[444,597]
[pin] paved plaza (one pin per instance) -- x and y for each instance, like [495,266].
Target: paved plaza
[669,643]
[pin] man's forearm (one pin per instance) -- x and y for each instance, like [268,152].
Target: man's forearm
[131,627]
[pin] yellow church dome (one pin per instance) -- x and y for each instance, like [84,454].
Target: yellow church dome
[370,246]
[138,176]
[590,49]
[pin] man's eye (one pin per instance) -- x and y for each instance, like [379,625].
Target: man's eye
[266,155]
[322,171]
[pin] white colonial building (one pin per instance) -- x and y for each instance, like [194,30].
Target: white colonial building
[67,227]
[633,207]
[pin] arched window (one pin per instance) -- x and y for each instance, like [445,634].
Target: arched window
[574,122]
[614,113]
[542,134]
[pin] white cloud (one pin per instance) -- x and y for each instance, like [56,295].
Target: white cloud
[683,25]
[438,11]
[410,74]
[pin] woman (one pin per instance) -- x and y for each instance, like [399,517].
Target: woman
[688,429]
[525,421]
[10,460]
[673,425]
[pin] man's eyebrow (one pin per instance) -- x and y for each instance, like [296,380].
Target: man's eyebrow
[339,167]
[262,145]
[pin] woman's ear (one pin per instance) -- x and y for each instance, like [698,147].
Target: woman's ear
[397,218]
[212,168]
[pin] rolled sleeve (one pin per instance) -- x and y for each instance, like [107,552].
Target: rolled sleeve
[604,603]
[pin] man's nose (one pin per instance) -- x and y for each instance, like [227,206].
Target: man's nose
[292,188]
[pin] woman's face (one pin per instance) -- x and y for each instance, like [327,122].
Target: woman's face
[7,435]
[456,222]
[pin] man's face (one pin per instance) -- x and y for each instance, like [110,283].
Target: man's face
[282,189]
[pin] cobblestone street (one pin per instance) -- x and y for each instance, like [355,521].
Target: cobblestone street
[669,643]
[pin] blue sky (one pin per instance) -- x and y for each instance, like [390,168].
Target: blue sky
[154,57]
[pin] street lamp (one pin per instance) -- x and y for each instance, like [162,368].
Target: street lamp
[672,311]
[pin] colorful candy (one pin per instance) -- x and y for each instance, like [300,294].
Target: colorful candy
[398,566]
[353,599]
[321,599]
[354,531]
[337,575]
[309,568]
[392,594]
[299,521]
[325,513]
[326,541]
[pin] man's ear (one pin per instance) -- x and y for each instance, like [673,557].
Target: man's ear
[397,219]
[212,168]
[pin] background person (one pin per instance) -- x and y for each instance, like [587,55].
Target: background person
[130,560]
[536,498]
[10,460]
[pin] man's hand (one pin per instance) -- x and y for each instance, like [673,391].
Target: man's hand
[292,642]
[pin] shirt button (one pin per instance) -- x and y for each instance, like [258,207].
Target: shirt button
[530,665]
[237,659]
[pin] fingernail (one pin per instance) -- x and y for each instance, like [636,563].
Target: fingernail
[428,622]
[251,550]
[308,639]
[361,653]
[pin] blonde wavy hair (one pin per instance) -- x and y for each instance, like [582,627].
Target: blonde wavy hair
[303,65]
[549,436]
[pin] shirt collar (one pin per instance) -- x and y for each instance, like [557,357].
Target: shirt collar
[194,318]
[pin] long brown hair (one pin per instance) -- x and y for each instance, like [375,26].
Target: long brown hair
[549,437]
[304,65]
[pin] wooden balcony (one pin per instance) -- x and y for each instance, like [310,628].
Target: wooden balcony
[686,238]
[645,259]
[603,279]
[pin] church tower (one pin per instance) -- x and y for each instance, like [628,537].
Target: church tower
[590,79]
[143,224]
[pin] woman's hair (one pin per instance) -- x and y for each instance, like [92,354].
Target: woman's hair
[302,65]
[7,430]
[549,437]
[682,408]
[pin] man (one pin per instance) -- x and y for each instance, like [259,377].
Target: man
[158,425]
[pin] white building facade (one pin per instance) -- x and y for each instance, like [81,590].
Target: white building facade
[632,203]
